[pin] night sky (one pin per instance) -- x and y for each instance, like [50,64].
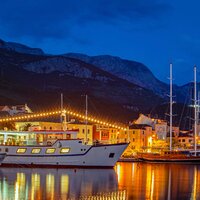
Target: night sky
[153,32]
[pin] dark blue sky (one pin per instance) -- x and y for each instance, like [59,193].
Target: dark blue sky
[153,32]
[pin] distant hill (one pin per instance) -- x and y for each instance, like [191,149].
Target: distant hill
[132,71]
[39,80]
[20,48]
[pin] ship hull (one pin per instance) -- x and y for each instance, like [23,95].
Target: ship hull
[171,160]
[80,155]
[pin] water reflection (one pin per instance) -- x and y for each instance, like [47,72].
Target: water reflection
[159,181]
[125,181]
[21,183]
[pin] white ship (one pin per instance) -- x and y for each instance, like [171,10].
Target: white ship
[32,152]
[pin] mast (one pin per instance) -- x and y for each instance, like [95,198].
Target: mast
[171,104]
[86,117]
[63,114]
[195,111]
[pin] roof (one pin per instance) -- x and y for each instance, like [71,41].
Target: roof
[185,135]
[2,107]
[139,126]
[78,122]
[17,107]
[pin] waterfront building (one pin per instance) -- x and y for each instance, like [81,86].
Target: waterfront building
[54,126]
[161,130]
[185,139]
[84,132]
[140,136]
[109,134]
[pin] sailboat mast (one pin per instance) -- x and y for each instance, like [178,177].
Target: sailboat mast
[61,109]
[195,111]
[63,114]
[171,103]
[86,117]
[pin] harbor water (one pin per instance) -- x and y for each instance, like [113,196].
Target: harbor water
[125,181]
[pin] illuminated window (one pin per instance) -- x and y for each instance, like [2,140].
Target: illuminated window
[36,150]
[21,150]
[65,150]
[50,150]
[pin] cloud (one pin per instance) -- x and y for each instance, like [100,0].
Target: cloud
[56,19]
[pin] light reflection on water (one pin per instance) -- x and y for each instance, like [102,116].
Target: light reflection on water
[159,181]
[26,183]
[125,181]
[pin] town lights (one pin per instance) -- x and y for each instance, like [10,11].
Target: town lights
[76,114]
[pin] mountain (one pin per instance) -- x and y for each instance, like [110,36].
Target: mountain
[132,71]
[20,48]
[39,79]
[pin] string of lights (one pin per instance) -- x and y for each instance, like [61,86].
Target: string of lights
[72,113]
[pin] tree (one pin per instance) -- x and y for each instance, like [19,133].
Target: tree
[26,127]
[7,125]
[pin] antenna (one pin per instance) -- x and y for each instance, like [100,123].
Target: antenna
[195,111]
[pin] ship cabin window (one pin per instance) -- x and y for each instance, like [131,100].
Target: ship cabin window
[50,150]
[65,150]
[36,150]
[21,150]
[111,155]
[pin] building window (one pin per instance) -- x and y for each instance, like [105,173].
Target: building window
[65,150]
[133,139]
[83,131]
[183,140]
[190,140]
[50,150]
[36,150]
[133,132]
[21,150]
[88,131]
